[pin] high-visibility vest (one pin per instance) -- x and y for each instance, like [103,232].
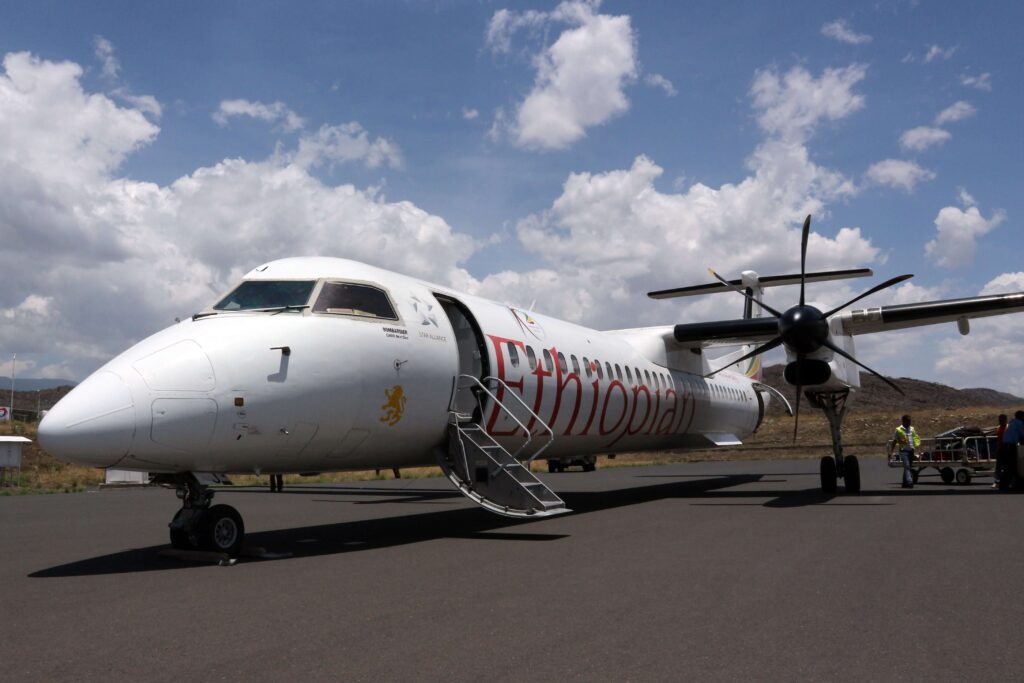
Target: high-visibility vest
[903,439]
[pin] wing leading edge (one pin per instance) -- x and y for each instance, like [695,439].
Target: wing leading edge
[902,316]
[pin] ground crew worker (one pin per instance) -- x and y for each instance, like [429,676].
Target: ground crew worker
[906,441]
[1014,434]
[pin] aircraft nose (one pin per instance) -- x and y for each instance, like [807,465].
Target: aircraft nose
[94,424]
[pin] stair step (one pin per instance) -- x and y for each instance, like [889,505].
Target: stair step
[484,471]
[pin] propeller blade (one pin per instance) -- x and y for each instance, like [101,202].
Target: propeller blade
[767,346]
[744,293]
[844,354]
[877,288]
[803,255]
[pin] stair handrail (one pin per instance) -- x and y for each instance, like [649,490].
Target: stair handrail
[504,408]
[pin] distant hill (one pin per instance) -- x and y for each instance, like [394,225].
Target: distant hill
[29,384]
[876,395]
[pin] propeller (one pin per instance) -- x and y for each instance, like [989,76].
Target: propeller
[804,329]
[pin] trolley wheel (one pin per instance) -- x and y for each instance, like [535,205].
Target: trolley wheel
[828,474]
[915,474]
[947,475]
[851,474]
[963,476]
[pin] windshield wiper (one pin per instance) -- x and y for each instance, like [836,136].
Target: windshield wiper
[204,314]
[282,309]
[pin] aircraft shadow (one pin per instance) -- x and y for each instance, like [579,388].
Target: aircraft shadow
[474,523]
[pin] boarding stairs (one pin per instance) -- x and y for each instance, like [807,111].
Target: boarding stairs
[485,471]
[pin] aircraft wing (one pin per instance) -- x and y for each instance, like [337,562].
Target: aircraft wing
[855,322]
[902,316]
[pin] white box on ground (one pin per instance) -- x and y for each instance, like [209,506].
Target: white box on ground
[127,477]
[10,451]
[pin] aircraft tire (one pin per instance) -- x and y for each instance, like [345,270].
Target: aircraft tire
[828,474]
[851,474]
[221,530]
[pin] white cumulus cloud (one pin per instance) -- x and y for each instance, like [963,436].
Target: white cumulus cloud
[990,355]
[921,138]
[840,30]
[898,173]
[956,232]
[613,236]
[938,52]
[958,111]
[791,105]
[348,142]
[275,112]
[580,78]
[111,71]
[979,82]
[659,81]
[123,258]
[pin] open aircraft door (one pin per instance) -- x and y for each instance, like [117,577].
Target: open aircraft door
[472,350]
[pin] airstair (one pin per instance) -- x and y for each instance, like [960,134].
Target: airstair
[485,471]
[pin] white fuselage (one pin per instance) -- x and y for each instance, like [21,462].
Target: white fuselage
[301,390]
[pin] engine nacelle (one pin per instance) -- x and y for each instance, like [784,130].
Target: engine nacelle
[808,372]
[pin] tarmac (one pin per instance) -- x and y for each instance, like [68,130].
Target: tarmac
[701,571]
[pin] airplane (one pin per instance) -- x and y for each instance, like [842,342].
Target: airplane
[320,364]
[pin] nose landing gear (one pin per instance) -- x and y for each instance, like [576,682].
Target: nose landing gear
[198,525]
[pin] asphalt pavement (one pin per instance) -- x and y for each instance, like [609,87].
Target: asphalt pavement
[702,571]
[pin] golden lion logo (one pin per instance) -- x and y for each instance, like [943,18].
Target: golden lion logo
[394,407]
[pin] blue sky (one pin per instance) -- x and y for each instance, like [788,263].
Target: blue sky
[577,154]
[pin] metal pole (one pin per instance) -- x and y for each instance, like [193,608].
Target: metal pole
[13,358]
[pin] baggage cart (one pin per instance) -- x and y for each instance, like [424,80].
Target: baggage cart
[959,455]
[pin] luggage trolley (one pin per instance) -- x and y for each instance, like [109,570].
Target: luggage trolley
[959,454]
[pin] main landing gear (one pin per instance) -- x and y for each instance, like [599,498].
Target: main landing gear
[836,466]
[198,525]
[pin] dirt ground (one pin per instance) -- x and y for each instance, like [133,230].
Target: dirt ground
[864,435]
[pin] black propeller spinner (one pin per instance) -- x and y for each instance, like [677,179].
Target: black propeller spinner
[804,330]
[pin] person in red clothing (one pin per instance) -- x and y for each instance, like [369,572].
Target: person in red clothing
[1000,465]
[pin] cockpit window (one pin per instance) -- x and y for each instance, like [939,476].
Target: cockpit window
[346,298]
[267,294]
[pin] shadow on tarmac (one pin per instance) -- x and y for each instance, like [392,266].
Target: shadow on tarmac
[469,523]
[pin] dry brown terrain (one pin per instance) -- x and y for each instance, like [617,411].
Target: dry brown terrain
[936,408]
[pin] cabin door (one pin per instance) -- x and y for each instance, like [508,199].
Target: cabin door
[472,351]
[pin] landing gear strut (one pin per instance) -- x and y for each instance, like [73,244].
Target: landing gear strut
[198,525]
[836,466]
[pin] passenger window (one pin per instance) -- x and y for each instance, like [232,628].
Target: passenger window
[345,298]
[561,363]
[513,355]
[532,357]
[587,367]
[618,372]
[629,375]
[639,377]
[608,369]
[575,365]
[549,363]
[600,371]
[647,377]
